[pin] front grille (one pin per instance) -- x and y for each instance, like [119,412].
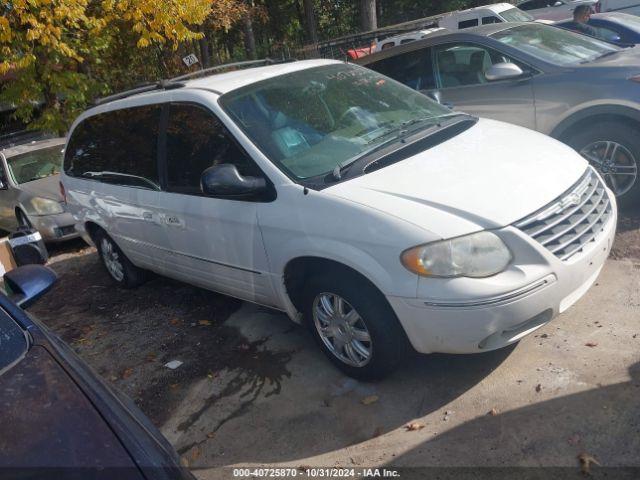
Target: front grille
[572,221]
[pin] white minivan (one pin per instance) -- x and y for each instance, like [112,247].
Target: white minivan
[356,205]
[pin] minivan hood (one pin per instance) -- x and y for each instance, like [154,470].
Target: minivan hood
[489,176]
[48,187]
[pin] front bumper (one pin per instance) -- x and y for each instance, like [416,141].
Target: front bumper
[499,314]
[55,228]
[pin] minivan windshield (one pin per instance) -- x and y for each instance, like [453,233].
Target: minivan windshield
[312,121]
[34,165]
[554,45]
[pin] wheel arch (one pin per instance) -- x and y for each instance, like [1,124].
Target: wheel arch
[593,114]
[300,268]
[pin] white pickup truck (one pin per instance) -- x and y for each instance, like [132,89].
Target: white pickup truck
[495,13]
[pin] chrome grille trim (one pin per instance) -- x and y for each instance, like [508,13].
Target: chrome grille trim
[573,220]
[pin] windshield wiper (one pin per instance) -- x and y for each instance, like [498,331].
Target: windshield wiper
[401,133]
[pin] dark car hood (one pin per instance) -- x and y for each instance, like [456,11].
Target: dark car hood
[51,422]
[628,57]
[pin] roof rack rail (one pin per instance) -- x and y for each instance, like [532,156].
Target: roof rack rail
[225,66]
[177,82]
[149,87]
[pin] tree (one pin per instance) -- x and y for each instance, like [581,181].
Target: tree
[62,53]
[310,21]
[368,17]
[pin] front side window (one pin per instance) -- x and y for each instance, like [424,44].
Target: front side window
[462,64]
[311,121]
[117,147]
[490,20]
[196,140]
[554,45]
[516,15]
[414,69]
[35,165]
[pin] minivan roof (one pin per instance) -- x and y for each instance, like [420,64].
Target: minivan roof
[225,82]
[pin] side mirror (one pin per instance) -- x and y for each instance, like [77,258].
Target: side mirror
[558,4]
[28,283]
[225,181]
[503,71]
[436,96]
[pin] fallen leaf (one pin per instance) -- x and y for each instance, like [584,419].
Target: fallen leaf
[544,335]
[493,412]
[591,344]
[175,321]
[412,427]
[126,373]
[151,357]
[369,400]
[585,463]
[538,387]
[204,322]
[173,386]
[173,364]
[211,434]
[195,453]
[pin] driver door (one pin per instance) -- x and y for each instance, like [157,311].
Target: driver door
[459,71]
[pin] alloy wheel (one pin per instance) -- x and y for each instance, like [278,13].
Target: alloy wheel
[615,162]
[342,330]
[112,260]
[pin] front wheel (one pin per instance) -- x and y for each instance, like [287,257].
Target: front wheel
[354,325]
[613,149]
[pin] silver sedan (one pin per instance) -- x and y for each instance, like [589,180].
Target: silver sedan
[30,190]
[577,89]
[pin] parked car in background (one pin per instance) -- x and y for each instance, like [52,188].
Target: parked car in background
[59,420]
[631,7]
[30,189]
[555,10]
[614,27]
[570,86]
[403,39]
[487,14]
[355,204]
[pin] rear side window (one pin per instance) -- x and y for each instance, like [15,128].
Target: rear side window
[197,140]
[117,147]
[491,19]
[414,69]
[468,23]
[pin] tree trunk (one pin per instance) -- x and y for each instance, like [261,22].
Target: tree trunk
[204,51]
[368,18]
[249,38]
[310,20]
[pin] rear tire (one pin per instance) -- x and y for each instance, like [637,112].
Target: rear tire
[613,148]
[365,341]
[118,266]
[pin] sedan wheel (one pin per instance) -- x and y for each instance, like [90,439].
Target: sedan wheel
[342,330]
[616,164]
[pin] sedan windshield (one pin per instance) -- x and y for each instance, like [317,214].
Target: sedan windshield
[516,15]
[312,121]
[554,45]
[35,165]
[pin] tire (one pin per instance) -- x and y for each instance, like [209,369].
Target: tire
[118,266]
[613,148]
[388,343]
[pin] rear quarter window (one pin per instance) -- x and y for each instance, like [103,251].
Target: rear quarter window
[117,147]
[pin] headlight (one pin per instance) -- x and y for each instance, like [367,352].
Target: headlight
[481,254]
[44,206]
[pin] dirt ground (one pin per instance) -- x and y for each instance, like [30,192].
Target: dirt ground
[252,388]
